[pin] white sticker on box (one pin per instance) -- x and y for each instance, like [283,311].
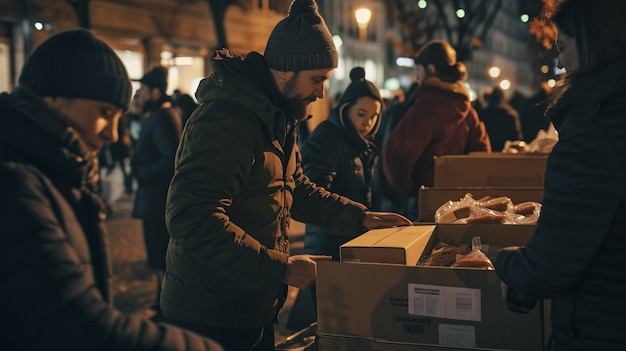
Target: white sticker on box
[457,335]
[444,302]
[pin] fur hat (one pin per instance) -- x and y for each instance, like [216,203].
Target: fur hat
[359,87]
[301,41]
[76,64]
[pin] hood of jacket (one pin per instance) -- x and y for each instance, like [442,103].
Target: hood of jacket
[595,87]
[451,100]
[31,133]
[339,117]
[249,83]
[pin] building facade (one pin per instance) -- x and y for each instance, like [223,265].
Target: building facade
[179,34]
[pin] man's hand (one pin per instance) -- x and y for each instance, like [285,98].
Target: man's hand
[301,270]
[375,220]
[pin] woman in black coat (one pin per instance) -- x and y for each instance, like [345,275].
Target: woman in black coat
[340,155]
[577,256]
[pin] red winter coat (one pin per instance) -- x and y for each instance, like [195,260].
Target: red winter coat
[439,120]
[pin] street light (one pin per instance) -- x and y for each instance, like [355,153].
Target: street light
[363,16]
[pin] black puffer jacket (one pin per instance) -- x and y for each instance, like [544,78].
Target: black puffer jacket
[237,184]
[54,269]
[577,256]
[336,157]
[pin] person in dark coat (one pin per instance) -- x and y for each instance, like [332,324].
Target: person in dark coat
[238,182]
[577,255]
[55,269]
[340,155]
[152,164]
[187,105]
[384,196]
[532,115]
[500,118]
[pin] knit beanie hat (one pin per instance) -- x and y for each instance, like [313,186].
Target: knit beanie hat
[301,41]
[76,64]
[359,87]
[156,78]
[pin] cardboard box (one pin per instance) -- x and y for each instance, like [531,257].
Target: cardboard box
[327,343]
[430,199]
[401,245]
[439,306]
[490,170]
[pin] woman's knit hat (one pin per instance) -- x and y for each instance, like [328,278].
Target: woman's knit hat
[301,41]
[76,64]
[359,87]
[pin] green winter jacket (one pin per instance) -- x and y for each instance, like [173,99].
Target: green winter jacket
[237,183]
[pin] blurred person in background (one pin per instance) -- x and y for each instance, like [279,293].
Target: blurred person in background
[500,118]
[152,164]
[238,182]
[55,271]
[576,256]
[187,105]
[439,120]
[384,196]
[532,115]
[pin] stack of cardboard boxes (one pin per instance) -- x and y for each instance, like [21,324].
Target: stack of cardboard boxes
[395,305]
[517,176]
[379,298]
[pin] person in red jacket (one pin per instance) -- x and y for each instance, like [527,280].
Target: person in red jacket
[439,120]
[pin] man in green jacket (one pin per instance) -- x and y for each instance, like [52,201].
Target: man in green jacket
[238,182]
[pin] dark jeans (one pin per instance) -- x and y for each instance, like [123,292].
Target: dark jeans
[256,339]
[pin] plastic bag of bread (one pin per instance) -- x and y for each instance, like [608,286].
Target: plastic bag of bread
[500,204]
[527,212]
[444,255]
[515,147]
[475,259]
[452,211]
[545,140]
[484,215]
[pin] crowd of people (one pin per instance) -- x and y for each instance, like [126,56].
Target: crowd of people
[216,182]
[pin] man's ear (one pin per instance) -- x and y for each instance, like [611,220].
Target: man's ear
[431,68]
[280,77]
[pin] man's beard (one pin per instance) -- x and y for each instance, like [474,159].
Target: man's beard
[294,106]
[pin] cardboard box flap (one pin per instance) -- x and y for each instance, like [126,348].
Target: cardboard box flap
[490,234]
[372,237]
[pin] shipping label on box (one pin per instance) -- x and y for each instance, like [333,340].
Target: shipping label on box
[444,302]
[490,170]
[400,245]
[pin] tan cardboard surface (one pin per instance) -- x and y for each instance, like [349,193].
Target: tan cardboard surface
[401,245]
[325,343]
[395,303]
[490,170]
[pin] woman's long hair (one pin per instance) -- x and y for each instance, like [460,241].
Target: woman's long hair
[442,56]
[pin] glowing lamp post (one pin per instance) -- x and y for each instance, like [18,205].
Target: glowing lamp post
[363,16]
